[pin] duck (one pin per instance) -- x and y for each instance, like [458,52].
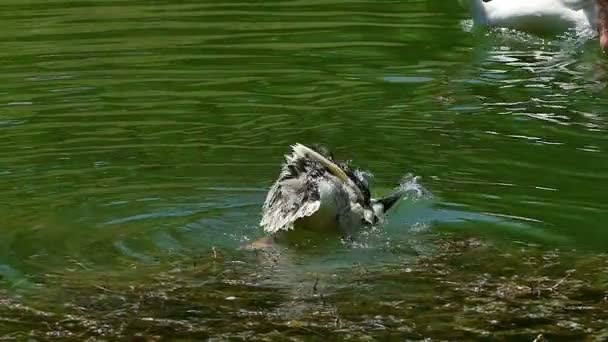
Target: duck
[542,17]
[316,192]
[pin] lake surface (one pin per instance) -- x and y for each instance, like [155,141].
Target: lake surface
[139,139]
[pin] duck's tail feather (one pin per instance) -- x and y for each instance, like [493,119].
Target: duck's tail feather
[384,204]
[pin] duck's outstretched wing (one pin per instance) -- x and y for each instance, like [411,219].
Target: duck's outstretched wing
[294,195]
[287,201]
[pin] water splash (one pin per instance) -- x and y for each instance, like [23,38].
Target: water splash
[412,189]
[366,176]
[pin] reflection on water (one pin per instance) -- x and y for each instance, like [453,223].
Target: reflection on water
[138,136]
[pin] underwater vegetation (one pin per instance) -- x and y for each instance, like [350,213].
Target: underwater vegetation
[466,289]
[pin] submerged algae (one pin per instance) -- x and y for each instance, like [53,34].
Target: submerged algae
[466,289]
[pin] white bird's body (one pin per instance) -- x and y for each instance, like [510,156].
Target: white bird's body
[534,16]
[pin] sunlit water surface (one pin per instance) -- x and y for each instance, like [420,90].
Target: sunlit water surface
[139,139]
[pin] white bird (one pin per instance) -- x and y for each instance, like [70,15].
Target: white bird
[316,192]
[544,17]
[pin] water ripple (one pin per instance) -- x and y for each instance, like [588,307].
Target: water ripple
[165,122]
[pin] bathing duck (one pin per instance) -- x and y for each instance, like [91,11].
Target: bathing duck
[316,192]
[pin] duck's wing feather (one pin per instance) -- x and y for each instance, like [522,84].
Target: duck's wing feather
[294,195]
[287,201]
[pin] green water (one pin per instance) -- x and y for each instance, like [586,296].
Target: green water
[139,139]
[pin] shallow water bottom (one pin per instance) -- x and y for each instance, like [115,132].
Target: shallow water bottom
[466,289]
